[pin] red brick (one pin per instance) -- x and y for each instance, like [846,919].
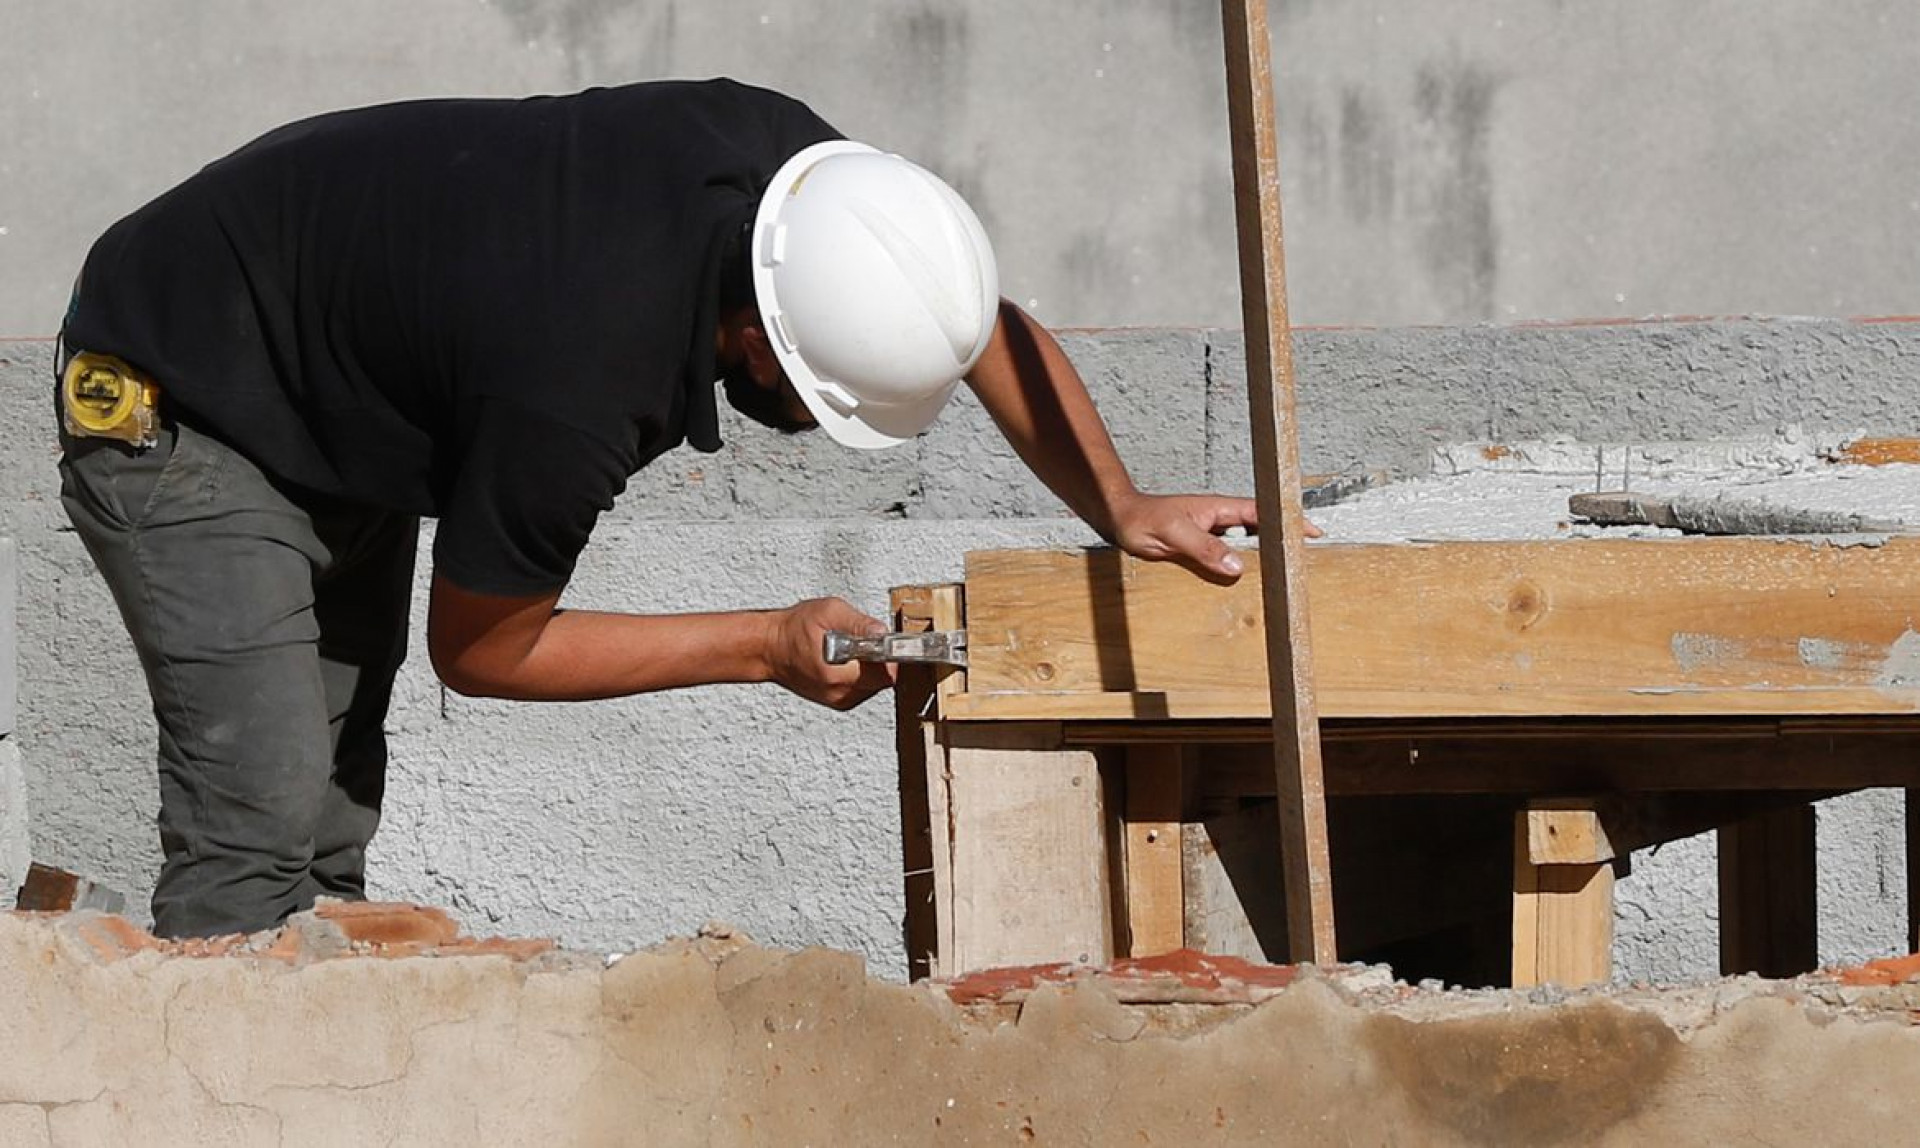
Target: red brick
[1886,971]
[115,938]
[379,923]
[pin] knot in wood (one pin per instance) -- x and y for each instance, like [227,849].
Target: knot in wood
[1526,603]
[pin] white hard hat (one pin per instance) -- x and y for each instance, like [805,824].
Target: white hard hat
[877,287]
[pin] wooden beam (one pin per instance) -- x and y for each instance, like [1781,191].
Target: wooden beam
[1631,763]
[1029,850]
[1768,894]
[1562,917]
[1276,470]
[1566,831]
[1155,894]
[925,843]
[1638,627]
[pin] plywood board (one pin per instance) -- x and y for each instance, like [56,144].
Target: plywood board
[1589,627]
[1029,855]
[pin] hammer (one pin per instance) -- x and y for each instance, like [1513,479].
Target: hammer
[936,647]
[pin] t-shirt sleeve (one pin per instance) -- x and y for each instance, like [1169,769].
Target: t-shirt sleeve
[523,500]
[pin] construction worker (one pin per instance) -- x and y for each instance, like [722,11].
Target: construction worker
[493,312]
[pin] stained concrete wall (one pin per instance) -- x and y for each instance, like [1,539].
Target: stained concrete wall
[614,823]
[722,1044]
[1443,162]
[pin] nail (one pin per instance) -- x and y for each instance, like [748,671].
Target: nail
[1231,564]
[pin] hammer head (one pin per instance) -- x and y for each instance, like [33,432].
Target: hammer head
[937,647]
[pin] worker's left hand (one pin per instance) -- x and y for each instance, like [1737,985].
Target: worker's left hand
[1185,528]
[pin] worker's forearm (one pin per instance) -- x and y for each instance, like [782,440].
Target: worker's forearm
[581,655]
[1037,399]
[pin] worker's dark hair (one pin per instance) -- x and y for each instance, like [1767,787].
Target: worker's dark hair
[736,273]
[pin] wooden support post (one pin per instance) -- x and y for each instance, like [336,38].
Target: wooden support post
[926,847]
[1562,896]
[1155,888]
[1913,870]
[1768,898]
[1276,466]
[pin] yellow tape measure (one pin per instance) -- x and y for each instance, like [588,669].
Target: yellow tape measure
[102,397]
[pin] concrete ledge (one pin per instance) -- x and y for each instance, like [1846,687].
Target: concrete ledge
[715,1041]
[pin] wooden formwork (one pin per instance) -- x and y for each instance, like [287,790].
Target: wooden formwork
[1503,724]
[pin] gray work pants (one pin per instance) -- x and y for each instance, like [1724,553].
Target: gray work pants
[270,623]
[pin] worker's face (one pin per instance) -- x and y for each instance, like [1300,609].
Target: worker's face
[777,406]
[757,387]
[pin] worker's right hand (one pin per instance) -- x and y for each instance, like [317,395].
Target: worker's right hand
[795,660]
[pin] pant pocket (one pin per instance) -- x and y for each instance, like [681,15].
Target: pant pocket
[110,482]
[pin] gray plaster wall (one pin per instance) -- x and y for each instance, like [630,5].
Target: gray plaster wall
[612,824]
[16,850]
[1444,162]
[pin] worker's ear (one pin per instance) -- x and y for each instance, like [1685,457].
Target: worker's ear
[762,363]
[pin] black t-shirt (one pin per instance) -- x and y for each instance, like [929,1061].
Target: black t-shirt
[492,311]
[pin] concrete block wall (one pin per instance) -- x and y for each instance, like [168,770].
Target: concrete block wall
[15,851]
[612,824]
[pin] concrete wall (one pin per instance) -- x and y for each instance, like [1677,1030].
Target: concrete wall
[1451,161]
[612,824]
[719,1043]
[15,845]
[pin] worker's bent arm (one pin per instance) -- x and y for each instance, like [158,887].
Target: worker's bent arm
[526,648]
[1038,400]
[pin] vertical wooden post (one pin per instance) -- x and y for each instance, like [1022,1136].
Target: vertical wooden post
[1562,897]
[1156,905]
[1276,467]
[926,846]
[1769,899]
[1913,870]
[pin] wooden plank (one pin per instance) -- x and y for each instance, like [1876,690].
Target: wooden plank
[1566,831]
[1459,701]
[925,857]
[938,960]
[1276,479]
[1707,728]
[1029,850]
[1562,919]
[1768,894]
[1155,894]
[1566,628]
